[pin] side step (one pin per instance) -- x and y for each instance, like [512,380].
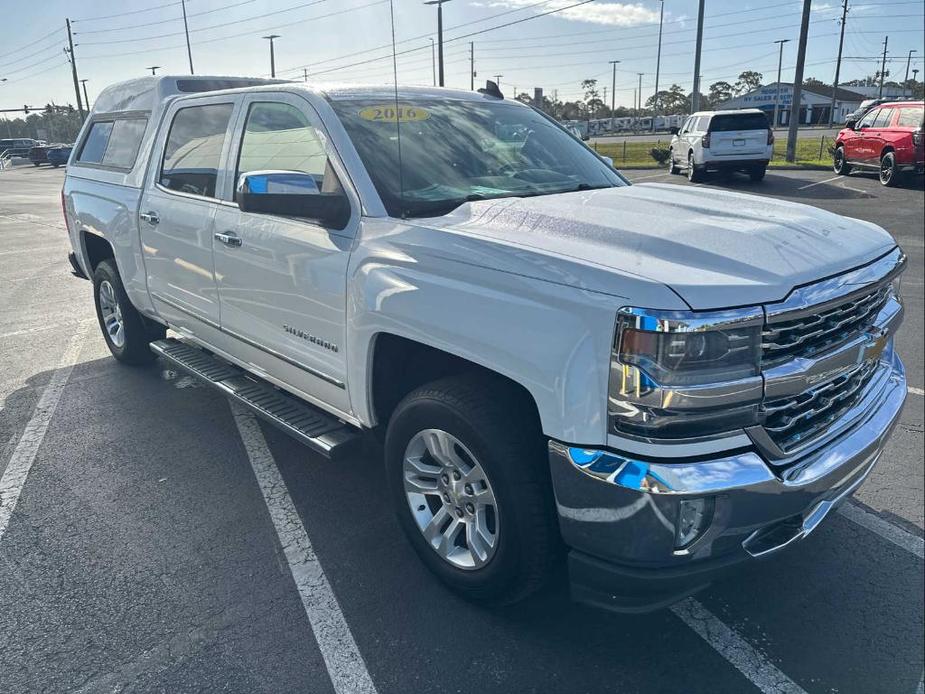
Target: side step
[312,426]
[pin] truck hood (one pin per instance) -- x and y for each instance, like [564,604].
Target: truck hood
[715,249]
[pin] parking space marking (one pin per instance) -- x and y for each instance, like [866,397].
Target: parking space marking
[893,533]
[819,183]
[342,658]
[915,391]
[742,655]
[658,175]
[17,469]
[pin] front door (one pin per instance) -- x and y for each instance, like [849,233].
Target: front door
[860,147]
[282,280]
[178,208]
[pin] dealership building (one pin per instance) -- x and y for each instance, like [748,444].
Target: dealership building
[815,102]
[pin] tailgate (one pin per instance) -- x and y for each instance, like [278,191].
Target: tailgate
[735,142]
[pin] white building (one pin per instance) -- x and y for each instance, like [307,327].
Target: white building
[815,102]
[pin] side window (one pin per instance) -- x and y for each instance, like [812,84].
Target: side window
[700,124]
[95,145]
[884,118]
[910,117]
[279,137]
[868,120]
[685,126]
[193,151]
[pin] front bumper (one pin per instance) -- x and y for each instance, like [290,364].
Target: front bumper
[621,525]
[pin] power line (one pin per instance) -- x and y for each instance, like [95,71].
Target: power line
[164,21]
[33,43]
[125,14]
[53,47]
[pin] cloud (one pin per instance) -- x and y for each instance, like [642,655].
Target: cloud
[607,13]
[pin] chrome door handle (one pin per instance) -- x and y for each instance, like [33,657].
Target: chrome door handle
[229,238]
[149,217]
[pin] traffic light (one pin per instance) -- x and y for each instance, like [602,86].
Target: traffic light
[25,109]
[70,109]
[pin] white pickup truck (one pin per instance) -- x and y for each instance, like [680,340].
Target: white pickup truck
[656,381]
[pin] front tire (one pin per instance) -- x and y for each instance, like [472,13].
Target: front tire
[839,164]
[467,473]
[127,333]
[889,176]
[672,167]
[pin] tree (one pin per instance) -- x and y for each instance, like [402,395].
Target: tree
[811,82]
[670,101]
[524,98]
[748,81]
[720,92]
[590,90]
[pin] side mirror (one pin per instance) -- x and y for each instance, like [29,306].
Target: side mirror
[608,161]
[674,130]
[291,194]
[851,123]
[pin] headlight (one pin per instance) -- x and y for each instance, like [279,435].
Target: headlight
[676,348]
[680,374]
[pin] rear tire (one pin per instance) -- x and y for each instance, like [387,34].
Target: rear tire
[839,165]
[756,173]
[889,175]
[128,334]
[499,454]
[694,175]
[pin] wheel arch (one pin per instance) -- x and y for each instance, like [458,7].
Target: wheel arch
[95,249]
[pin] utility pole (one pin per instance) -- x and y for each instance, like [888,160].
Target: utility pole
[270,38]
[886,40]
[613,92]
[658,60]
[798,84]
[305,74]
[695,97]
[498,81]
[83,83]
[73,59]
[439,4]
[472,66]
[189,51]
[433,60]
[153,69]
[780,62]
[841,42]
[908,61]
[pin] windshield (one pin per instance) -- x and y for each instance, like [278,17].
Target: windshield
[458,151]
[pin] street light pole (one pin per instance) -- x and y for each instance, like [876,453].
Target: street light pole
[83,83]
[908,62]
[439,4]
[433,60]
[153,69]
[613,93]
[658,59]
[639,107]
[270,38]
[780,62]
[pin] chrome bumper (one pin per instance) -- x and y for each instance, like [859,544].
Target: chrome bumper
[623,511]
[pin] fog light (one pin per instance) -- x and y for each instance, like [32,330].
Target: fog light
[694,516]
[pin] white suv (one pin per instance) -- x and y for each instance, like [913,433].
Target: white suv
[722,141]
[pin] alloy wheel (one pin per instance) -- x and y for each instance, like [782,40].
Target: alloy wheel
[112,314]
[451,499]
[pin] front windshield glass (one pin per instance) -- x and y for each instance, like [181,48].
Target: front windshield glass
[458,151]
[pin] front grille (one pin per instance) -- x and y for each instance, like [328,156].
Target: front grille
[782,340]
[797,420]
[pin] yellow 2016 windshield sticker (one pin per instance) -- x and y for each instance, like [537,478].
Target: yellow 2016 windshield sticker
[390,114]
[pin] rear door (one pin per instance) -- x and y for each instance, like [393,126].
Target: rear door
[282,280]
[178,209]
[739,134]
[878,134]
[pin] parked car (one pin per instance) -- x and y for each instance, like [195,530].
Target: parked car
[867,105]
[59,154]
[722,141]
[38,154]
[665,381]
[17,147]
[888,139]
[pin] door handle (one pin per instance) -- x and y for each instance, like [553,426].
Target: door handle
[229,238]
[149,217]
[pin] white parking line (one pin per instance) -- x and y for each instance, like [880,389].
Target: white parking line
[819,183]
[916,391]
[341,656]
[658,175]
[899,537]
[17,469]
[742,655]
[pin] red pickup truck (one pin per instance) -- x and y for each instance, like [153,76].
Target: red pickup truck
[888,139]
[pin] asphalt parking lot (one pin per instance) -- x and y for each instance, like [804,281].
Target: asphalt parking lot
[145,554]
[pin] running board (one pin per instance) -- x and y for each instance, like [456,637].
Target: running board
[312,426]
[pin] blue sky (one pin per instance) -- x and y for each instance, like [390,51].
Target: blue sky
[343,40]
